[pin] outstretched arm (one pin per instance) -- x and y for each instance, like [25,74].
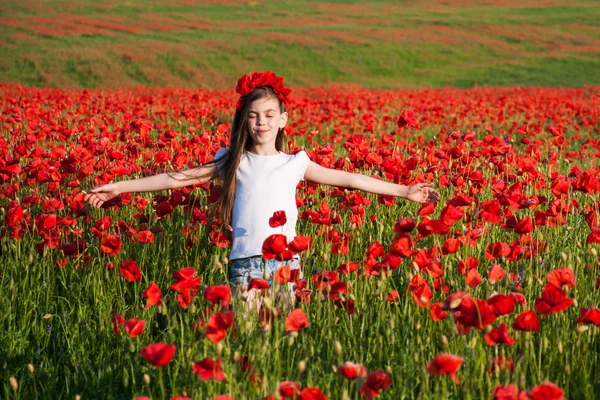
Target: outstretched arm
[103,193]
[421,192]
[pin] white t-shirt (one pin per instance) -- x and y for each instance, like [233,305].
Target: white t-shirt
[264,184]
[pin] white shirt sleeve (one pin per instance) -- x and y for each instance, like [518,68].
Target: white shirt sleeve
[302,162]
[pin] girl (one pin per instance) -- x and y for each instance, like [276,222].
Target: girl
[259,179]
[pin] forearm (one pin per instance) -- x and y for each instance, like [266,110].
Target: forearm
[376,186]
[147,184]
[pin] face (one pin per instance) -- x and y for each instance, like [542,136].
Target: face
[264,121]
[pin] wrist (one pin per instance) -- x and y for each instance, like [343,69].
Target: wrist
[402,191]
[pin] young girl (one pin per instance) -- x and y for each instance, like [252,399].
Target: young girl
[259,179]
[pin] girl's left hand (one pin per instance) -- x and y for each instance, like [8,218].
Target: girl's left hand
[422,193]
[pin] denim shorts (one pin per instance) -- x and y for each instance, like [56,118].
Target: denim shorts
[243,269]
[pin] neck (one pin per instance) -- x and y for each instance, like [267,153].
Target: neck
[263,150]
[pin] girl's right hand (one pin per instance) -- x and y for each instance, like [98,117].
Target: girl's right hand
[101,194]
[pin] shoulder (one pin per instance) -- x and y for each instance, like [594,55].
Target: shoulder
[220,153]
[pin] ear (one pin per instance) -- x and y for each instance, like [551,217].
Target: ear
[283,121]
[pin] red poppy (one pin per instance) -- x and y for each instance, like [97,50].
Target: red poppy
[376,382]
[527,321]
[562,276]
[300,243]
[208,369]
[451,214]
[475,313]
[499,335]
[472,278]
[289,389]
[509,392]
[496,273]
[276,247]
[111,245]
[497,249]
[130,270]
[219,294]
[158,354]
[445,364]
[282,275]
[311,393]
[503,305]
[405,225]
[407,118]
[546,391]
[350,370]
[436,312]
[450,246]
[589,316]
[296,320]
[117,321]
[278,219]
[553,300]
[467,264]
[502,363]
[134,326]
[153,294]
[258,283]
[217,326]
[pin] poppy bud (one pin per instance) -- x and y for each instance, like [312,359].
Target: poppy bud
[125,378]
[473,342]
[488,329]
[338,348]
[594,252]
[193,308]
[418,325]
[267,274]
[444,340]
[345,394]
[188,352]
[559,345]
[225,260]
[291,341]
[163,310]
[416,356]
[568,369]
[389,369]
[31,368]
[236,356]
[146,379]
[581,328]
[77,397]
[579,245]
[563,256]
[131,347]
[301,366]
[14,385]
[219,349]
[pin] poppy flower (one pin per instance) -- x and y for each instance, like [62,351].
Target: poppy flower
[499,335]
[218,294]
[496,250]
[117,321]
[296,320]
[450,246]
[158,354]
[405,225]
[217,326]
[300,243]
[311,393]
[276,247]
[258,283]
[376,382]
[589,316]
[527,321]
[130,270]
[445,364]
[546,391]
[407,118]
[436,312]
[278,219]
[553,300]
[561,276]
[509,392]
[289,389]
[220,397]
[208,369]
[350,370]
[153,294]
[503,305]
[451,215]
[475,313]
[502,363]
[134,326]
[495,274]
[111,245]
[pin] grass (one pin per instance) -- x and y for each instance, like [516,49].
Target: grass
[402,45]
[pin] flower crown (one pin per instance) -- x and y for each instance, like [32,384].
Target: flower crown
[248,83]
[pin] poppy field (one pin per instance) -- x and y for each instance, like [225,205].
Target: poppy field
[493,292]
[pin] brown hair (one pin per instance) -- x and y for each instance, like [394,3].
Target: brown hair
[240,142]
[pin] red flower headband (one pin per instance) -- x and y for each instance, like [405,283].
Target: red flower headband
[247,83]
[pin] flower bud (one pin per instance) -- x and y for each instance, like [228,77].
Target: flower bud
[146,379]
[563,256]
[301,366]
[14,385]
[593,251]
[337,346]
[219,348]
[444,340]
[581,328]
[31,368]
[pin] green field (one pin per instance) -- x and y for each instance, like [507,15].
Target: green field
[378,44]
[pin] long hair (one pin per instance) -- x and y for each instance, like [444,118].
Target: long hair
[240,142]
